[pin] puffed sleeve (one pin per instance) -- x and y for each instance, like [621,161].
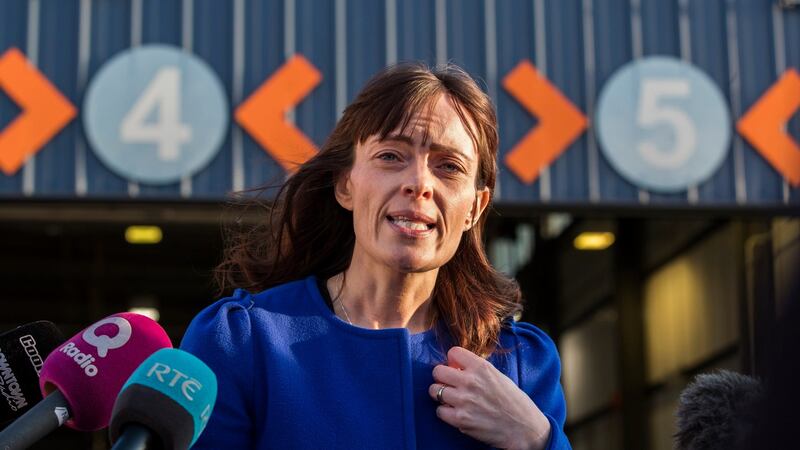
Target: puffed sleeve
[221,336]
[539,376]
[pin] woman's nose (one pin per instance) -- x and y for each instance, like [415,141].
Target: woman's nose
[419,183]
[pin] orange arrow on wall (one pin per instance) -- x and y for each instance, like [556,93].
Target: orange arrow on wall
[263,113]
[560,122]
[45,111]
[763,126]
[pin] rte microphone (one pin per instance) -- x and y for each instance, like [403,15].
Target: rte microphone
[717,411]
[82,377]
[165,404]
[22,352]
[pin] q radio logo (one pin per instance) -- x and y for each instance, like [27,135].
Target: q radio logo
[103,343]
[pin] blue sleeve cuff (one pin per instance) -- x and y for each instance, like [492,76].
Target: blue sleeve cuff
[558,440]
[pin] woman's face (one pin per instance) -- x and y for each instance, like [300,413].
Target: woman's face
[413,198]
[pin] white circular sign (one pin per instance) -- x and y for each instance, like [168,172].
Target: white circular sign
[663,124]
[155,114]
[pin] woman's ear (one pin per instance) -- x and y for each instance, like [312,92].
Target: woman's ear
[482,197]
[342,190]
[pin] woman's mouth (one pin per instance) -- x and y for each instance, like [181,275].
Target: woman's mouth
[411,226]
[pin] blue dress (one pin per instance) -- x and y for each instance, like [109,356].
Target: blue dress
[293,375]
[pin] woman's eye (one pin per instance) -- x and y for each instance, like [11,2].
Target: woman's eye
[388,157]
[451,167]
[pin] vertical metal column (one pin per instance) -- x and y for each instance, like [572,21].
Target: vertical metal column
[538,279]
[628,262]
[759,320]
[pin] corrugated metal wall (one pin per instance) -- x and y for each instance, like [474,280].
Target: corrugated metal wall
[743,45]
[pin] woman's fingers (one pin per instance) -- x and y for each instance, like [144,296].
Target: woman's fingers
[449,415]
[483,403]
[460,418]
[449,395]
[449,375]
[462,358]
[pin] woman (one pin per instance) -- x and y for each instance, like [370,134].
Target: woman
[378,321]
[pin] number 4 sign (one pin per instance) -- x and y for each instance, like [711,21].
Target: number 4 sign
[663,124]
[155,114]
[163,96]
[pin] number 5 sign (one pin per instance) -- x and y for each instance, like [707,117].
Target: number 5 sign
[155,114]
[663,124]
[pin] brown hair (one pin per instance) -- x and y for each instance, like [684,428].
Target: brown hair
[306,231]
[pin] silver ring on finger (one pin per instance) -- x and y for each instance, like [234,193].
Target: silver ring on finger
[439,395]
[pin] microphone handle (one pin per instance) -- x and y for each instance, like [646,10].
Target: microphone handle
[136,437]
[38,422]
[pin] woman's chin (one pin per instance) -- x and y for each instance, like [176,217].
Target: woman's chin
[412,263]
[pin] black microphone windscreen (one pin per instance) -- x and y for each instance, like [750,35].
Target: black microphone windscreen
[22,352]
[717,411]
[157,412]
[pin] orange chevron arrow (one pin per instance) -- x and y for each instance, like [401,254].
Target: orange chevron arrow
[45,111]
[262,114]
[763,124]
[560,122]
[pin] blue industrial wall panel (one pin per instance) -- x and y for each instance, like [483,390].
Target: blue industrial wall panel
[757,72]
[569,174]
[13,15]
[213,33]
[514,121]
[315,29]
[161,24]
[265,47]
[708,33]
[57,63]
[366,43]
[109,34]
[466,36]
[613,48]
[660,36]
[416,30]
[791,27]
[743,46]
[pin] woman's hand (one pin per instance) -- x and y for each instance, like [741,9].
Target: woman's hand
[485,404]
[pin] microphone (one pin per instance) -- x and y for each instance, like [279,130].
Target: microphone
[166,403]
[717,411]
[82,377]
[22,352]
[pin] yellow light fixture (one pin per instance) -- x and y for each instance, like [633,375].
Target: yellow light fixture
[147,311]
[143,234]
[594,240]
